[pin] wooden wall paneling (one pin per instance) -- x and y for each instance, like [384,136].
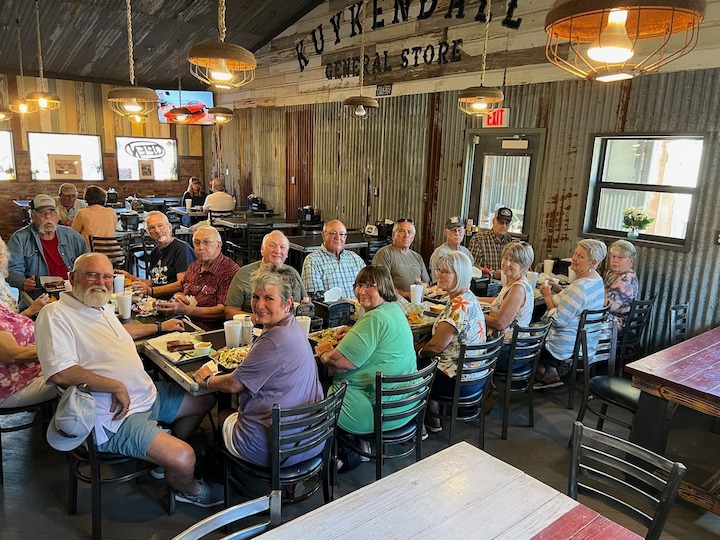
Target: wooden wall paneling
[110,121]
[195,140]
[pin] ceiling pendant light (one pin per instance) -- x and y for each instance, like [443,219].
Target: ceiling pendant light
[361,107]
[5,114]
[220,115]
[612,40]
[21,105]
[480,100]
[133,102]
[45,100]
[219,64]
[179,114]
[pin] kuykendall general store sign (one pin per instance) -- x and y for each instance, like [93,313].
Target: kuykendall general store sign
[442,52]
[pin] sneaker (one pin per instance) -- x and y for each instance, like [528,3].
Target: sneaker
[365,447]
[210,495]
[158,473]
[433,429]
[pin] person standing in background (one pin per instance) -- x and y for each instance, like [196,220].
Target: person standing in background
[487,246]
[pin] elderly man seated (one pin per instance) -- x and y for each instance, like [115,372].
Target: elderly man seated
[80,341]
[204,286]
[332,265]
[168,261]
[68,204]
[405,265]
[219,200]
[274,250]
[280,368]
[42,248]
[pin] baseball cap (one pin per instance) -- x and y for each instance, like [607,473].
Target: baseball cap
[454,222]
[43,201]
[504,213]
[73,421]
[195,180]
[68,189]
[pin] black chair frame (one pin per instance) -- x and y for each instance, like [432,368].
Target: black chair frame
[587,317]
[115,247]
[631,346]
[679,322]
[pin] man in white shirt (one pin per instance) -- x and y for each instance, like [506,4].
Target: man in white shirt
[219,200]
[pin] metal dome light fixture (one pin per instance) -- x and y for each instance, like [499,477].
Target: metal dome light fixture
[45,100]
[220,115]
[361,107]
[21,105]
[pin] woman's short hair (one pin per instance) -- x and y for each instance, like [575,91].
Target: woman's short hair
[95,195]
[4,264]
[522,253]
[380,276]
[624,248]
[459,263]
[272,275]
[595,248]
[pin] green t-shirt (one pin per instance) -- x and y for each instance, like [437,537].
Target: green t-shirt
[380,341]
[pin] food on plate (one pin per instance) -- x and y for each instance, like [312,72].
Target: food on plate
[128,281]
[329,335]
[147,304]
[56,285]
[203,344]
[435,292]
[415,316]
[231,358]
[177,345]
[436,308]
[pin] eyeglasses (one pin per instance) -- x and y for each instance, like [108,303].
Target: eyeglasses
[444,271]
[365,286]
[404,220]
[46,213]
[205,243]
[336,234]
[281,247]
[96,276]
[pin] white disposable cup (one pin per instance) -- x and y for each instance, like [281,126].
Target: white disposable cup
[239,317]
[503,279]
[532,278]
[68,286]
[416,293]
[188,204]
[304,322]
[572,276]
[124,302]
[233,329]
[118,283]
[548,266]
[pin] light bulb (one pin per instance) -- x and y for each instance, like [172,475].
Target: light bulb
[23,108]
[3,116]
[478,105]
[221,73]
[181,117]
[613,45]
[360,111]
[132,106]
[42,103]
[614,76]
[220,118]
[137,118]
[220,86]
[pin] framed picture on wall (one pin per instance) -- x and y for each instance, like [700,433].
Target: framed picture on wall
[65,166]
[146,169]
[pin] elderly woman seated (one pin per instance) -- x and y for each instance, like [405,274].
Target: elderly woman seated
[621,282]
[21,383]
[564,309]
[462,320]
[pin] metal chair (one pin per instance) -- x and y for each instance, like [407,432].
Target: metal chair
[229,516]
[679,322]
[475,364]
[114,247]
[254,235]
[624,476]
[588,318]
[140,255]
[295,431]
[632,333]
[519,378]
[398,398]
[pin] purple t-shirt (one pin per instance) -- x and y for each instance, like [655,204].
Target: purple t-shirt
[281,369]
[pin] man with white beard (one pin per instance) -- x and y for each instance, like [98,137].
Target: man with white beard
[81,342]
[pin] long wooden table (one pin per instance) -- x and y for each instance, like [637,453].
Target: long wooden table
[685,374]
[460,492]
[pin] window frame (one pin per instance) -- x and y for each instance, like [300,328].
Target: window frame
[11,156]
[98,139]
[598,145]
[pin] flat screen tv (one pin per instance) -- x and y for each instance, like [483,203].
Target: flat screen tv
[198,102]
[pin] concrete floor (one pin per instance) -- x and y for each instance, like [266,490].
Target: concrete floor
[33,501]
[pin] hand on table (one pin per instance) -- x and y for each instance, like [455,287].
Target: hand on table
[173,325]
[139,286]
[201,374]
[341,333]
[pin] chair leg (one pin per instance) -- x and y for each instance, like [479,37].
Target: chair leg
[481,422]
[2,472]
[506,403]
[379,453]
[531,405]
[96,503]
[72,487]
[571,386]
[601,420]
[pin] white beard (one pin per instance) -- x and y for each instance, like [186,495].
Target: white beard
[94,296]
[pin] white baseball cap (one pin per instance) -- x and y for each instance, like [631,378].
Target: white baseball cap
[74,420]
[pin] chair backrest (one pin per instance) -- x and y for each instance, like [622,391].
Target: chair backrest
[256,232]
[215,214]
[114,247]
[588,318]
[402,397]
[527,343]
[623,475]
[604,337]
[476,363]
[300,430]
[235,513]
[636,322]
[679,322]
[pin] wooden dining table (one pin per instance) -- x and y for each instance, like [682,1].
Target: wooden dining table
[686,374]
[459,492]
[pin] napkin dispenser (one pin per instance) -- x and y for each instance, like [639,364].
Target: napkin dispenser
[308,214]
[333,313]
[479,286]
[255,203]
[371,230]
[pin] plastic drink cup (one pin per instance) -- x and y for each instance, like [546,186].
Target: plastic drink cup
[304,322]
[118,283]
[124,302]
[188,204]
[548,266]
[233,330]
[416,294]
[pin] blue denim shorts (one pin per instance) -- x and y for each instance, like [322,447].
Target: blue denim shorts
[139,429]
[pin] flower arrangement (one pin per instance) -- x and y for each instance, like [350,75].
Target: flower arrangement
[636,219]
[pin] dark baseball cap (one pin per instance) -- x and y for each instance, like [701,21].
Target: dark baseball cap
[504,214]
[454,222]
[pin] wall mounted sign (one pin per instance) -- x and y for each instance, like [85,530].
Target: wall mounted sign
[497,118]
[142,158]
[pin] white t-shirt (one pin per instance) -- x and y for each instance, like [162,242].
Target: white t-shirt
[70,333]
[219,201]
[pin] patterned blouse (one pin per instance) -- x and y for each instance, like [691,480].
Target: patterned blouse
[465,315]
[620,291]
[14,377]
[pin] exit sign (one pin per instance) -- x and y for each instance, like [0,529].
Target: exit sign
[497,118]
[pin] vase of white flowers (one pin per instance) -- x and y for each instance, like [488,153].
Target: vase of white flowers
[636,220]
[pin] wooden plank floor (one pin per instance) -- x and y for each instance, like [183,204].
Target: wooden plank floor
[33,501]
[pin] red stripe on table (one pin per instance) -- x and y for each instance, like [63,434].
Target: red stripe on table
[582,523]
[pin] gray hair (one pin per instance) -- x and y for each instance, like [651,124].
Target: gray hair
[216,233]
[275,232]
[80,261]
[152,213]
[397,224]
[459,263]
[271,275]
[4,265]
[624,248]
[595,248]
[522,253]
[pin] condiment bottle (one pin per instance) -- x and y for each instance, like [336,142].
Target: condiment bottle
[247,331]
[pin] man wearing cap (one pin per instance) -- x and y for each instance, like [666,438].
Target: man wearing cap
[80,341]
[454,234]
[42,248]
[68,204]
[219,200]
[487,246]
[332,265]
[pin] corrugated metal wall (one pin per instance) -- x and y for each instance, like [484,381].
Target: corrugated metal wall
[389,151]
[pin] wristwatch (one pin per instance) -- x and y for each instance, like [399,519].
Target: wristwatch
[159,328]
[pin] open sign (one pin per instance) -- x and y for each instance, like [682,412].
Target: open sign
[145,150]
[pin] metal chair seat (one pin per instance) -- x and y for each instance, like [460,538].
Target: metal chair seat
[616,391]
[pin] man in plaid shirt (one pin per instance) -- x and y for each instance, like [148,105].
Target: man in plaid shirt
[487,246]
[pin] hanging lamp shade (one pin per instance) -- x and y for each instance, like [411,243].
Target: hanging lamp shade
[220,115]
[611,40]
[480,100]
[23,106]
[178,115]
[45,100]
[360,107]
[222,65]
[132,100]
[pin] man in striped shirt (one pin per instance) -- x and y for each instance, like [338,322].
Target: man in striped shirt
[487,246]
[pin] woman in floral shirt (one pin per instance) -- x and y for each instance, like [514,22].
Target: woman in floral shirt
[462,321]
[21,383]
[621,282]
